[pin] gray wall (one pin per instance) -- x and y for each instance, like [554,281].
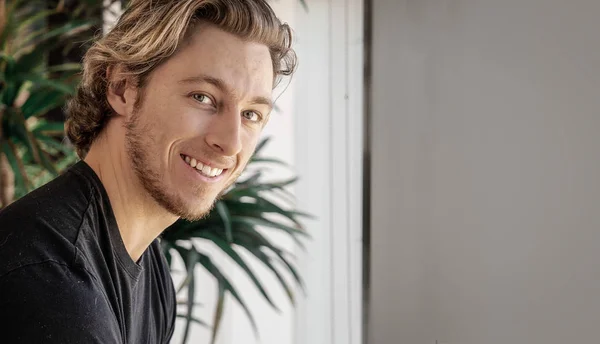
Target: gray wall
[486,158]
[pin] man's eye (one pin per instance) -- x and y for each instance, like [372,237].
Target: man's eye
[202,98]
[251,116]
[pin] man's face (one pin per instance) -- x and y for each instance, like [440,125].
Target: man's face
[199,120]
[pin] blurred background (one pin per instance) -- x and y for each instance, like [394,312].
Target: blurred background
[446,156]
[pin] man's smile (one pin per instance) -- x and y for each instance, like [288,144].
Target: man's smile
[203,169]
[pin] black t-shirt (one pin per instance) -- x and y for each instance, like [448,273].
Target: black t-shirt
[66,277]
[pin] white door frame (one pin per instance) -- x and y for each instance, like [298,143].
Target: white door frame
[328,130]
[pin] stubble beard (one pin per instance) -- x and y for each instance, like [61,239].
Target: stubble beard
[138,142]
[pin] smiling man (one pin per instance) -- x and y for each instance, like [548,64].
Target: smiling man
[168,113]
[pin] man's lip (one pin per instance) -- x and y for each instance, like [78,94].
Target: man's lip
[203,177]
[204,162]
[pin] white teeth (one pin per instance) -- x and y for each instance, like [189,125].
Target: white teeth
[204,169]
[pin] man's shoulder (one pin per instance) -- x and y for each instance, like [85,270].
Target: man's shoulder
[43,224]
[53,302]
[68,192]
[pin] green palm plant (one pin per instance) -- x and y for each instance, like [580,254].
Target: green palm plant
[236,223]
[30,148]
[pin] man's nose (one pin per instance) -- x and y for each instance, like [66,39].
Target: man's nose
[224,133]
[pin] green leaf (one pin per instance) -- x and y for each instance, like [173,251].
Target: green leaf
[165,247]
[49,126]
[190,263]
[7,58]
[69,29]
[45,41]
[286,196]
[261,145]
[292,270]
[46,162]
[13,160]
[195,320]
[304,4]
[40,80]
[213,270]
[168,258]
[263,205]
[41,101]
[27,42]
[190,308]
[51,142]
[21,133]
[65,67]
[226,247]
[269,160]
[183,252]
[250,209]
[11,84]
[248,237]
[186,302]
[265,259]
[226,217]
[218,311]
[9,27]
[24,24]
[32,60]
[253,179]
[69,160]
[39,156]
[253,221]
[253,190]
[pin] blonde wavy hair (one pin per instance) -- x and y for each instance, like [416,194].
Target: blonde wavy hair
[148,33]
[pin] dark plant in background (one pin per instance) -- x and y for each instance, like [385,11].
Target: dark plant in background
[30,148]
[37,41]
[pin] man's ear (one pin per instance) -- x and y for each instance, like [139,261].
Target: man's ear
[121,92]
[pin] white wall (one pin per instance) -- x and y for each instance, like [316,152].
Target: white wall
[486,205]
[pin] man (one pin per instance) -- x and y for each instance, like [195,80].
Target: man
[170,108]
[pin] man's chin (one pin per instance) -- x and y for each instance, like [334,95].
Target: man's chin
[195,214]
[187,209]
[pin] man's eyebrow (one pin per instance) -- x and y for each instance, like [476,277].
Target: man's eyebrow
[201,79]
[222,86]
[262,101]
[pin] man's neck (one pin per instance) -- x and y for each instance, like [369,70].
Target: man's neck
[139,217]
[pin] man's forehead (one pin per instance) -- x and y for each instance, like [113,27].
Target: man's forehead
[225,61]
